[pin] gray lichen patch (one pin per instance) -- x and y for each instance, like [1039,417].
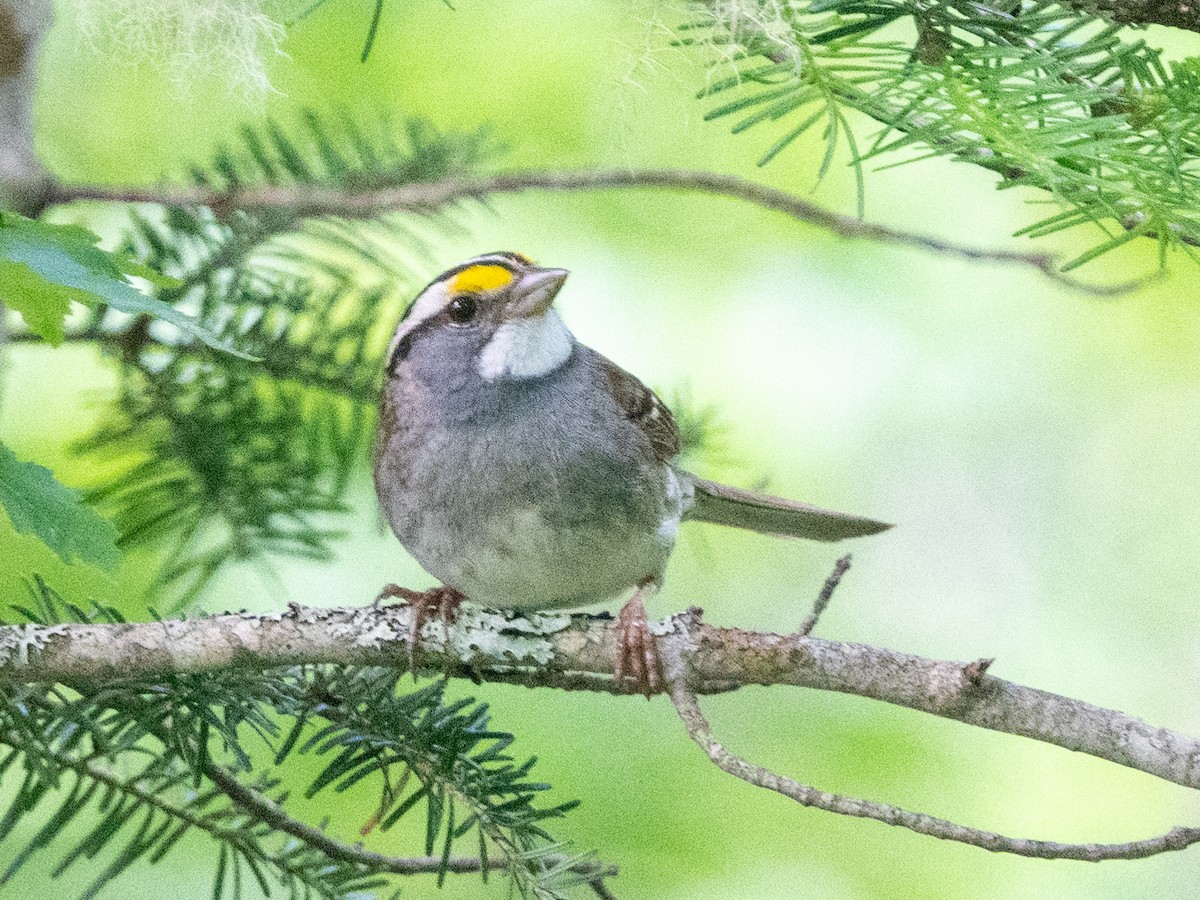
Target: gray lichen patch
[483,634]
[669,625]
[305,615]
[369,632]
[17,640]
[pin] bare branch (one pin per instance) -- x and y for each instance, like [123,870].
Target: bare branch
[701,732]
[309,201]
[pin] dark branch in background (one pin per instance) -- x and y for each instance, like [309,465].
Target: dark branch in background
[304,201]
[1171,13]
[578,652]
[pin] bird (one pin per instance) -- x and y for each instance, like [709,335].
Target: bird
[526,471]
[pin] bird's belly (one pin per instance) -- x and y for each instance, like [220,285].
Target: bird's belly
[541,512]
[519,561]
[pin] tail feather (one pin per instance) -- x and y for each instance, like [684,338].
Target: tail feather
[725,505]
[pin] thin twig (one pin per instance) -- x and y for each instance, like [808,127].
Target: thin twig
[835,578]
[700,731]
[303,201]
[271,813]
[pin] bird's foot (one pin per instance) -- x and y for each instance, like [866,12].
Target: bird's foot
[638,666]
[440,602]
[394,591]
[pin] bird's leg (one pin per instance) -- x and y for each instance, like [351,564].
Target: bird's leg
[637,650]
[444,599]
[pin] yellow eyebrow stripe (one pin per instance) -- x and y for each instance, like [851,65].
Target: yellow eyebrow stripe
[481,278]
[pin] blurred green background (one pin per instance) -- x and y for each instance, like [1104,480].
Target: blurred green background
[1037,447]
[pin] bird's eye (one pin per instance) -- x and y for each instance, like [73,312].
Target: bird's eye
[461,310]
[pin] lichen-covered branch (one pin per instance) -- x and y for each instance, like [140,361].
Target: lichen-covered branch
[577,652]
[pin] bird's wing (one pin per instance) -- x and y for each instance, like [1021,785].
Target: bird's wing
[644,409]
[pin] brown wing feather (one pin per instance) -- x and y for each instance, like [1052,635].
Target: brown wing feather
[644,408]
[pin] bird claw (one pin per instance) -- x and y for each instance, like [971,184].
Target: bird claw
[393,591]
[443,601]
[638,665]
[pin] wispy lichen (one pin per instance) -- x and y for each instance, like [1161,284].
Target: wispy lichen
[231,41]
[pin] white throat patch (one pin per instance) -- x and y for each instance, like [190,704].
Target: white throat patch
[526,348]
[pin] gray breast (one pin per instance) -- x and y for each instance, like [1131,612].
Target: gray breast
[523,485]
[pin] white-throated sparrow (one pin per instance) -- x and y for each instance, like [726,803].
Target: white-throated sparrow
[526,471]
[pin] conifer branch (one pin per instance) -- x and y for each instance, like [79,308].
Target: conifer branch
[1171,13]
[186,814]
[578,652]
[307,201]
[271,813]
[1016,90]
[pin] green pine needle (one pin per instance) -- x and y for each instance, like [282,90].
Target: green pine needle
[1045,96]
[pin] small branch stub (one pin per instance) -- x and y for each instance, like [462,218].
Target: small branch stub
[831,583]
[976,670]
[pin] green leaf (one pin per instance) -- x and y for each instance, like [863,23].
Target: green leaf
[44,267]
[42,304]
[38,503]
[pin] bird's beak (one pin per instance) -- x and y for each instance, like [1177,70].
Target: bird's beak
[534,292]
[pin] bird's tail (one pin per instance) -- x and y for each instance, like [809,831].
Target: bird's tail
[725,505]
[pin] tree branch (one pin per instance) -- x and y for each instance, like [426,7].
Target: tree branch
[701,732]
[578,652]
[779,47]
[303,201]
[22,25]
[1171,13]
